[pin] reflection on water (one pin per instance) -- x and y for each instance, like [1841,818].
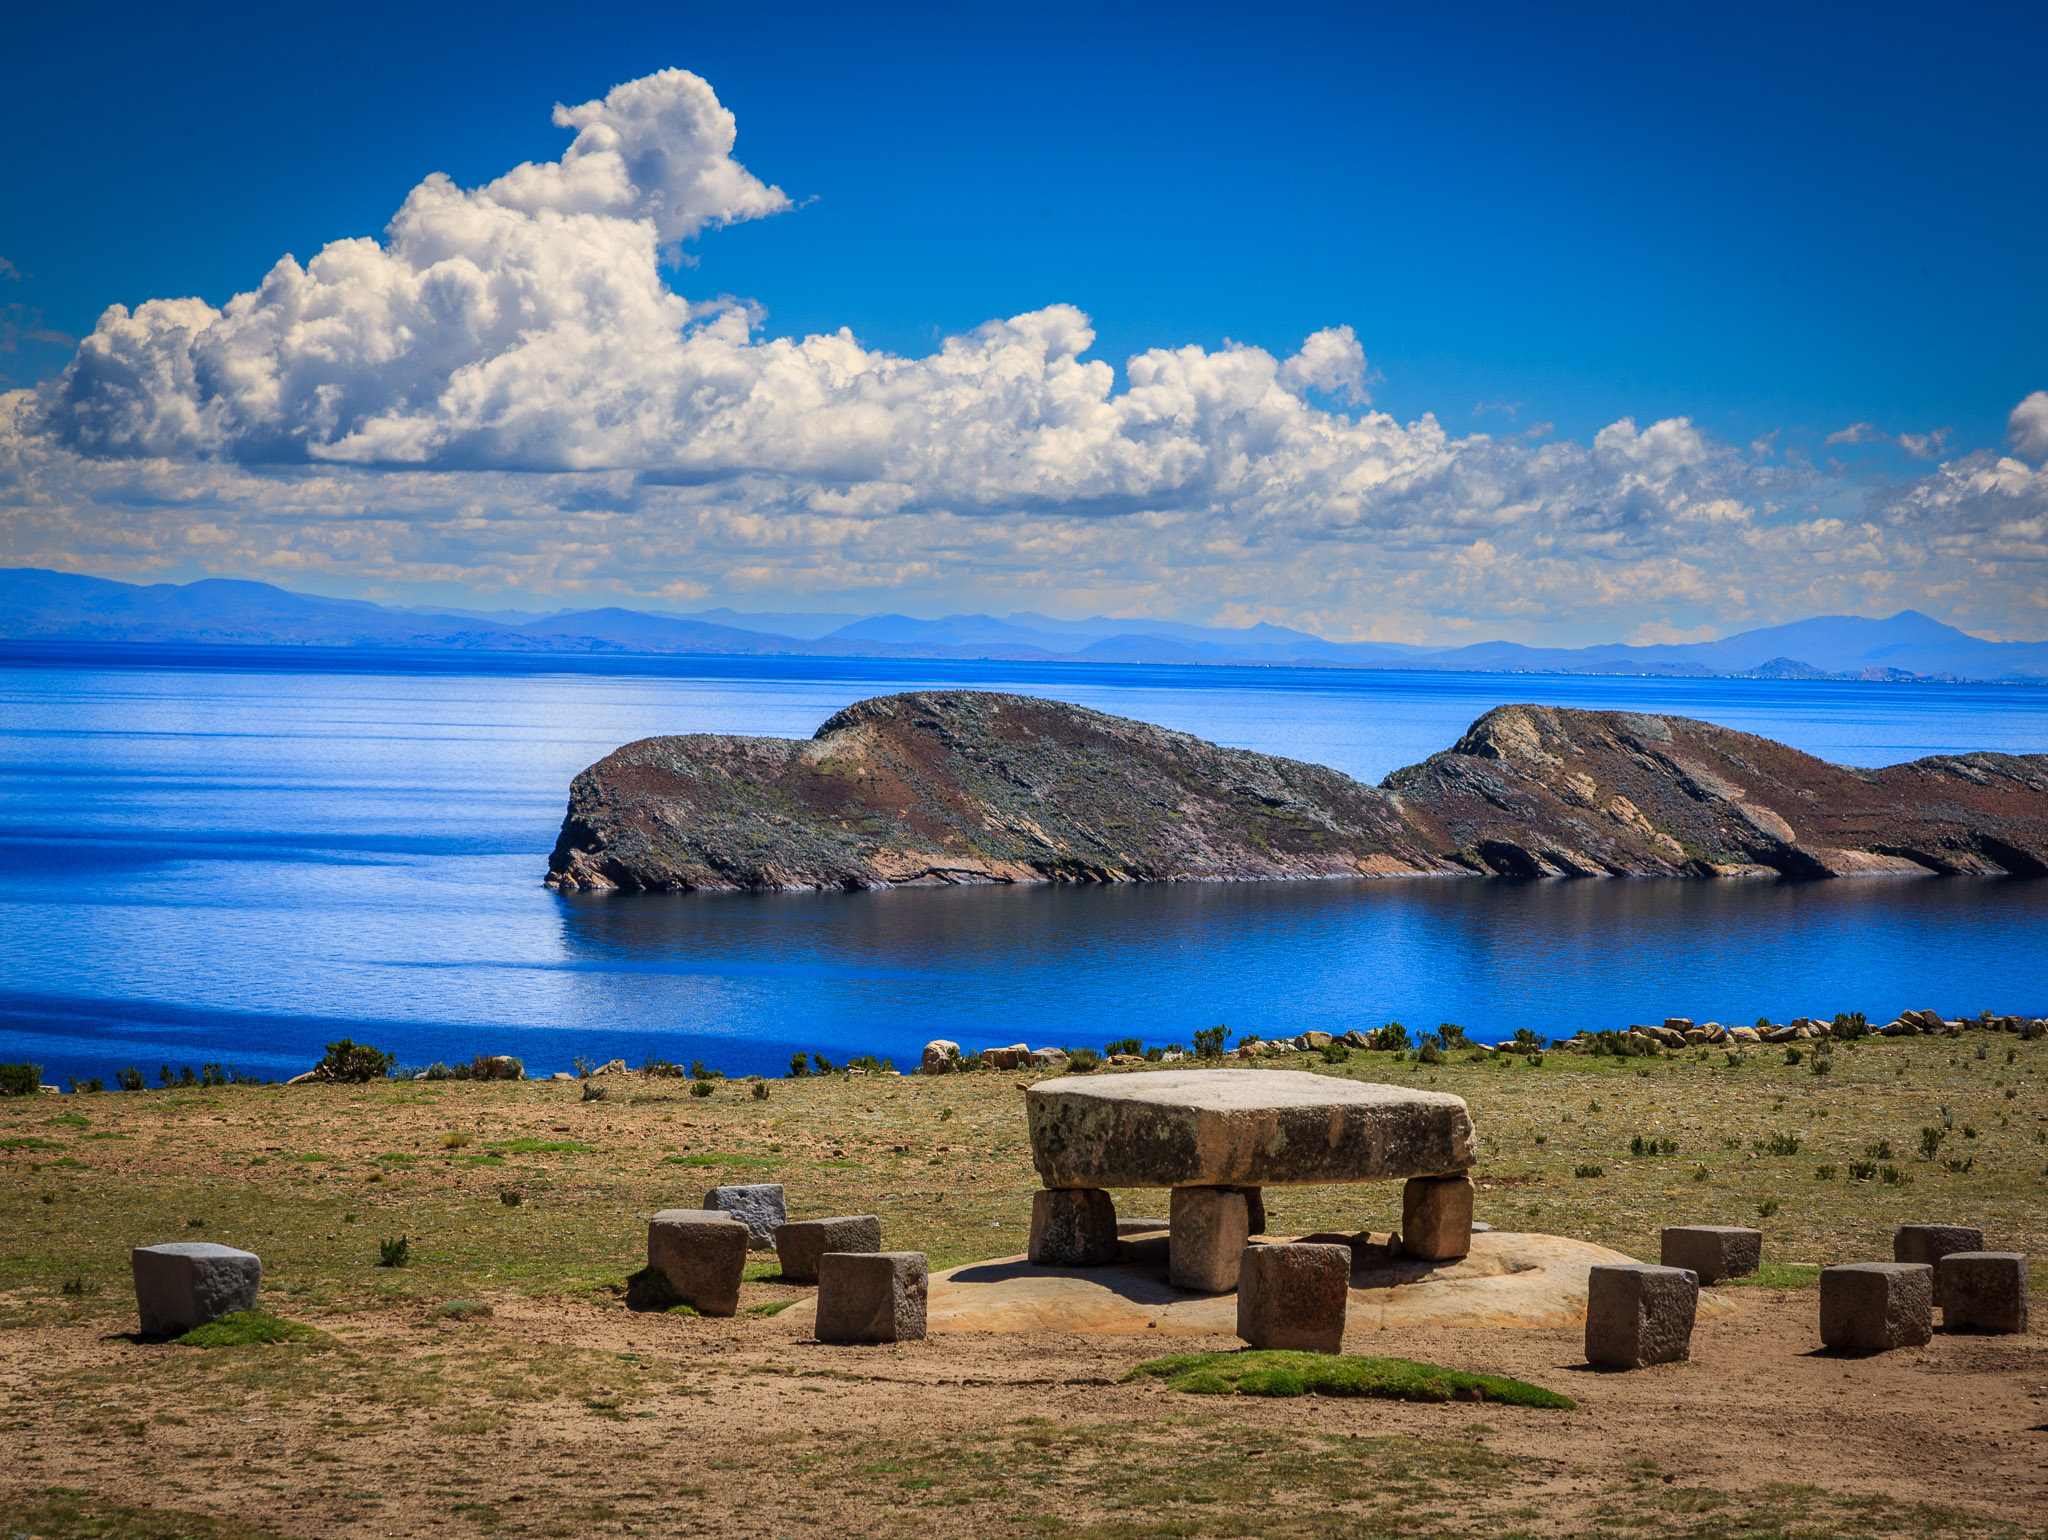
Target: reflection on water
[242,865]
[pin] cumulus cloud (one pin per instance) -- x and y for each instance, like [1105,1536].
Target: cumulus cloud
[506,392]
[2027,427]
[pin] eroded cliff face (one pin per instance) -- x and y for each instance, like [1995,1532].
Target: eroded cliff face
[966,786]
[1540,791]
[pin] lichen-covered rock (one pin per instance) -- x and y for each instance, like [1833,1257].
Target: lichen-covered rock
[1240,1128]
[958,786]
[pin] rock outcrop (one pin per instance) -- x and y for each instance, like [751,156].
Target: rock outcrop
[966,786]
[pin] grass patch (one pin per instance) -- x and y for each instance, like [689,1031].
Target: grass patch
[29,1142]
[245,1327]
[773,1307]
[464,1310]
[76,1516]
[730,1162]
[540,1147]
[1775,1275]
[1252,1372]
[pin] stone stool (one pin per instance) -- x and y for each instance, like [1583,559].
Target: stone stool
[757,1205]
[871,1296]
[1294,1297]
[1713,1252]
[702,1253]
[1209,1229]
[1638,1315]
[802,1242]
[1872,1307]
[1930,1243]
[1073,1227]
[183,1284]
[1436,1217]
[1986,1290]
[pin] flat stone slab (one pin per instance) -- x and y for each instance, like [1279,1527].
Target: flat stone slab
[1509,1281]
[1241,1128]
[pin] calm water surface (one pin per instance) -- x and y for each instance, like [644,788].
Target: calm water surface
[242,863]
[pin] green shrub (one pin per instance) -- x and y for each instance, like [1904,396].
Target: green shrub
[700,1088]
[1822,1064]
[1336,1053]
[1793,1055]
[1429,1053]
[1588,1171]
[799,1065]
[1862,1170]
[1082,1060]
[1881,1150]
[699,1071]
[241,1328]
[820,1065]
[130,1079]
[1652,1146]
[20,1079]
[760,1090]
[1850,1025]
[1392,1036]
[1823,1173]
[347,1063]
[395,1252]
[1134,1046]
[1251,1372]
[1209,1042]
[496,1066]
[1777,1144]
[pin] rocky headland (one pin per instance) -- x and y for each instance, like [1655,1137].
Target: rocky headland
[966,786]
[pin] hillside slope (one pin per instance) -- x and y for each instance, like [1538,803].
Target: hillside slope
[966,786]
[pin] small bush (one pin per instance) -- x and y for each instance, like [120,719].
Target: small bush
[1700,1173]
[1777,1144]
[799,1065]
[496,1066]
[1894,1177]
[20,1079]
[1393,1035]
[760,1090]
[698,1071]
[349,1063]
[454,1139]
[130,1079]
[1652,1146]
[511,1197]
[1822,1064]
[1793,1055]
[1131,1045]
[1958,1167]
[1881,1150]
[820,1065]
[439,1071]
[1209,1042]
[1768,1207]
[242,1328]
[700,1088]
[1850,1025]
[1588,1171]
[464,1310]
[1453,1035]
[1336,1053]
[1081,1060]
[1862,1170]
[1823,1173]
[1429,1053]
[395,1252]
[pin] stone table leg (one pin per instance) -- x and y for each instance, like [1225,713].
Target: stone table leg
[1209,1229]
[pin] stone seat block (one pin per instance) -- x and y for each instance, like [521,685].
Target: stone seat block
[1140,1226]
[1930,1243]
[757,1205]
[871,1296]
[1436,1217]
[183,1284]
[1713,1252]
[1983,1290]
[1240,1128]
[702,1253]
[1209,1231]
[1294,1297]
[1872,1307]
[1639,1315]
[800,1243]
[1073,1227]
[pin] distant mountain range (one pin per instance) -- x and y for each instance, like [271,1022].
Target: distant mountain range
[36,605]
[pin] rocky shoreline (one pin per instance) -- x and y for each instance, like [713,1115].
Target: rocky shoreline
[962,786]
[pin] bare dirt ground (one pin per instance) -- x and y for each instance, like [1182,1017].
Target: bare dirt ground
[562,1413]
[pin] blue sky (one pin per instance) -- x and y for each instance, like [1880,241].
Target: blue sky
[1765,224]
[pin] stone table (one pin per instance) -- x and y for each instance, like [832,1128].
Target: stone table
[1216,1137]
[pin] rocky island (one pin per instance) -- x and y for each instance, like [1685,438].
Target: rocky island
[962,786]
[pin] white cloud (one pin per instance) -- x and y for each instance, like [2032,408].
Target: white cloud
[1855,433]
[2027,427]
[506,393]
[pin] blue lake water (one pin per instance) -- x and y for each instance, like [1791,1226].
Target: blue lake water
[202,862]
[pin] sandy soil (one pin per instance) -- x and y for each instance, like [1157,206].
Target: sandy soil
[706,1439]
